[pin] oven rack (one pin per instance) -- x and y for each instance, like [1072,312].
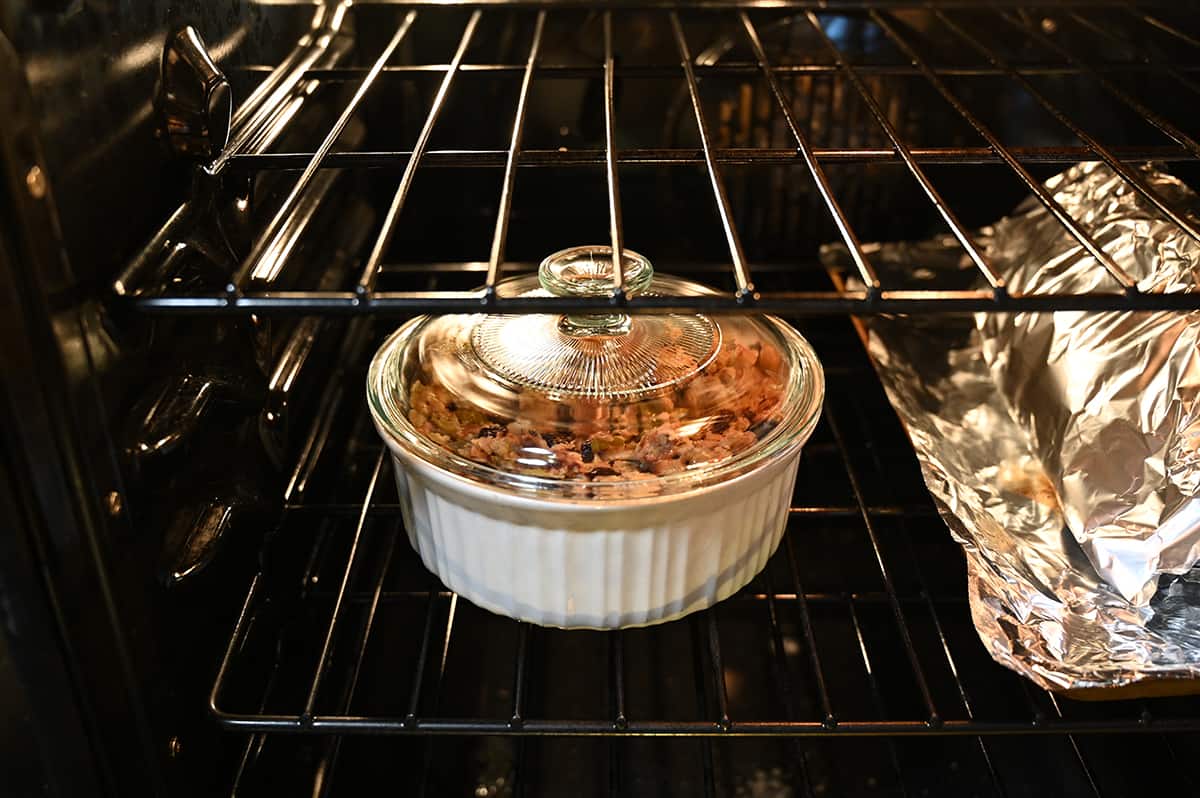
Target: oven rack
[859,626]
[245,295]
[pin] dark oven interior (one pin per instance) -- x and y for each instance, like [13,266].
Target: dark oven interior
[221,559]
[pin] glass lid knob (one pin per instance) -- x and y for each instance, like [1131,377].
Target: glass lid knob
[588,272]
[600,355]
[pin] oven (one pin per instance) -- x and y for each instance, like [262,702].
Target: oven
[213,215]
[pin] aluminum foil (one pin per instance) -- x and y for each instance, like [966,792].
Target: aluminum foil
[1060,448]
[1110,399]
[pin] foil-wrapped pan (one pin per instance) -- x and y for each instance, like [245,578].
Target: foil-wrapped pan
[1110,399]
[1059,447]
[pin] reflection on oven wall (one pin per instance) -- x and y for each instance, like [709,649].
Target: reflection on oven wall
[93,66]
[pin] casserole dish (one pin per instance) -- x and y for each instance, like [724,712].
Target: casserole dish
[599,470]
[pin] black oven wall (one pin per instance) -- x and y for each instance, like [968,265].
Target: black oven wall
[44,718]
[100,662]
[51,587]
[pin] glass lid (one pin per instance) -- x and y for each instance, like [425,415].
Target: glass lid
[601,404]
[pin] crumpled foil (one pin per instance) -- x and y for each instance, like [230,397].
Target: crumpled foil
[1110,398]
[1059,448]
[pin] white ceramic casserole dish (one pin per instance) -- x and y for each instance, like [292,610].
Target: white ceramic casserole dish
[597,471]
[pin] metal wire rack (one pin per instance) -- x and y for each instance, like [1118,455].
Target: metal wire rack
[1146,43]
[857,628]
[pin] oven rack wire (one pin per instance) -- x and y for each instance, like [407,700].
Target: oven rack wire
[912,666]
[245,295]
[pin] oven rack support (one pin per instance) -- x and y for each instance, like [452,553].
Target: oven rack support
[245,297]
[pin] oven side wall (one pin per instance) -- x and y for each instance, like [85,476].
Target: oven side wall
[104,669]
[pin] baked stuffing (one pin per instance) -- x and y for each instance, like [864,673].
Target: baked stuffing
[733,403]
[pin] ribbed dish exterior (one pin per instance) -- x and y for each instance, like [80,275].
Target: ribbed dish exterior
[599,566]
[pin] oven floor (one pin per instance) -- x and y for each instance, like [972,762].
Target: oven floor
[814,634]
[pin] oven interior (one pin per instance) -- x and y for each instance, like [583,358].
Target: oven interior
[268,630]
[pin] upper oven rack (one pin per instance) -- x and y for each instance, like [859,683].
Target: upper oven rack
[244,296]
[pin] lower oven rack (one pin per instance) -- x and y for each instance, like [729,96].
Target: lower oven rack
[856,634]
[859,625]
